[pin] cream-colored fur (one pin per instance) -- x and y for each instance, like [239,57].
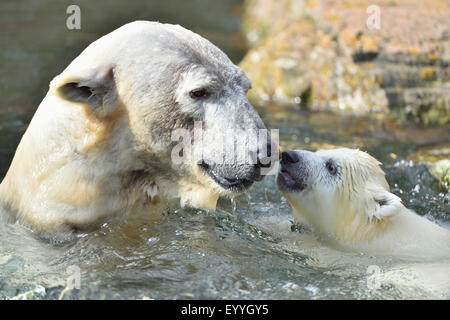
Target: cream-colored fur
[354,210]
[100,142]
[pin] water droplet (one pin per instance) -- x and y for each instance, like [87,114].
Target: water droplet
[233,205]
[153,240]
[249,199]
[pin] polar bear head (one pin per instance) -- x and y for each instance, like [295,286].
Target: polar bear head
[341,193]
[164,82]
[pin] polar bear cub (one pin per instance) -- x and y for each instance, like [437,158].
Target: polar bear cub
[343,195]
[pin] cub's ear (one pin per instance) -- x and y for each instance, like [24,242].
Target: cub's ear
[94,88]
[382,204]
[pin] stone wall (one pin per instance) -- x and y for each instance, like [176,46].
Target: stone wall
[322,55]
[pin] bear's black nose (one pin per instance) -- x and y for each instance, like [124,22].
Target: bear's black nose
[289,157]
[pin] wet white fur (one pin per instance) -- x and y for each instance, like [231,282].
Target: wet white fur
[355,211]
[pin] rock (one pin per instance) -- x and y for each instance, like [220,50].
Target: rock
[429,106]
[262,18]
[408,56]
[36,293]
[437,159]
[305,64]
[431,154]
[441,171]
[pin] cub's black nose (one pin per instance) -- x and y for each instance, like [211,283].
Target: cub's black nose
[289,157]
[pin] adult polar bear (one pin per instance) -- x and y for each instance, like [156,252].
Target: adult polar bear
[100,142]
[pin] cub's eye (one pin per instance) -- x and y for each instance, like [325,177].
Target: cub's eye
[331,167]
[199,93]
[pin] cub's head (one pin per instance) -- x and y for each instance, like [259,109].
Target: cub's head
[152,86]
[341,193]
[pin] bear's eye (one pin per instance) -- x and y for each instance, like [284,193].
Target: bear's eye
[199,93]
[331,167]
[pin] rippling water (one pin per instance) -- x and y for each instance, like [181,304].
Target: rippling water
[251,252]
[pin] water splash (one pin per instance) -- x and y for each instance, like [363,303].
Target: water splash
[233,205]
[248,197]
[237,252]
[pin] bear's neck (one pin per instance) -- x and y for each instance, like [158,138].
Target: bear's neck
[352,225]
[339,222]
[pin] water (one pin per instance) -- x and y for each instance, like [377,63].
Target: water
[248,248]
[243,250]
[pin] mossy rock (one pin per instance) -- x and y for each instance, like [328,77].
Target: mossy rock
[262,18]
[408,57]
[306,64]
[430,106]
[431,154]
[437,160]
[441,171]
[34,294]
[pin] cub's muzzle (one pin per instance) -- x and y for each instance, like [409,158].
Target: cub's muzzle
[292,175]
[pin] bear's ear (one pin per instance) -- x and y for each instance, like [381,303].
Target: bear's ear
[382,204]
[94,87]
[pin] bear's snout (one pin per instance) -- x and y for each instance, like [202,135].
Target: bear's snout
[289,157]
[292,175]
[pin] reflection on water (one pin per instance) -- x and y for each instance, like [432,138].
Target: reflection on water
[250,252]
